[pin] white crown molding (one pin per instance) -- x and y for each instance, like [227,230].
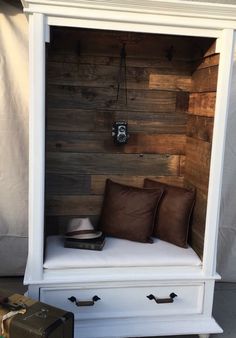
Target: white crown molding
[168,7]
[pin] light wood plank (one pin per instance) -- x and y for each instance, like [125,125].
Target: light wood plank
[170,82]
[202,104]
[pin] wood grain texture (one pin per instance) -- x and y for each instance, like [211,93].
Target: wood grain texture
[67,184]
[68,96]
[94,75]
[196,241]
[96,120]
[200,127]
[103,142]
[212,60]
[93,163]
[205,80]
[74,205]
[98,181]
[82,69]
[71,60]
[202,104]
[58,224]
[98,42]
[197,166]
[170,82]
[199,137]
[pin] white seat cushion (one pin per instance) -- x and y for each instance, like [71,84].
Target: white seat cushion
[118,253]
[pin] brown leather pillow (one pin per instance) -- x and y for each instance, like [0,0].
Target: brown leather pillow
[173,214]
[128,212]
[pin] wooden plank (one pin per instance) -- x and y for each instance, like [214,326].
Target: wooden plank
[103,142]
[98,42]
[74,205]
[78,119]
[101,120]
[57,224]
[202,104]
[67,184]
[211,47]
[182,165]
[212,60]
[182,104]
[170,82]
[129,164]
[98,181]
[196,241]
[59,96]
[199,212]
[205,80]
[200,127]
[198,154]
[64,57]
[92,75]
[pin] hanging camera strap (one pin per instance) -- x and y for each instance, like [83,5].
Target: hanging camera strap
[119,80]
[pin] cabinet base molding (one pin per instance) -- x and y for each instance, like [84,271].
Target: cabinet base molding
[143,327]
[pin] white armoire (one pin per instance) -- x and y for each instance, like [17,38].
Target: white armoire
[122,308]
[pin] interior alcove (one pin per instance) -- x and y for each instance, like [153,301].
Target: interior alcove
[171,90]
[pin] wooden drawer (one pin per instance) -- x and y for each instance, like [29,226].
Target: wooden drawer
[127,301]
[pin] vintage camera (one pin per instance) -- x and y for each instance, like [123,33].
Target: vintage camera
[120,132]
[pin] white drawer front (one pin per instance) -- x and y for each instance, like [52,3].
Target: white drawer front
[127,301]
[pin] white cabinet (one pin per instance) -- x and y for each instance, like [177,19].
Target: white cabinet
[123,308]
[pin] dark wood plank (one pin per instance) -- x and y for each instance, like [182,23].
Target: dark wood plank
[200,127]
[205,80]
[98,42]
[199,212]
[98,181]
[57,224]
[212,60]
[196,241]
[130,164]
[101,120]
[202,104]
[197,165]
[67,184]
[59,96]
[103,142]
[72,60]
[182,102]
[74,205]
[92,75]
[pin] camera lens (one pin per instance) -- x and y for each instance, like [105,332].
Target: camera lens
[121,129]
[121,138]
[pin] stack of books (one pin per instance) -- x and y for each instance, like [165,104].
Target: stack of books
[87,244]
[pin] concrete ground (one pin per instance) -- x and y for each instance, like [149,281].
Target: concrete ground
[224,310]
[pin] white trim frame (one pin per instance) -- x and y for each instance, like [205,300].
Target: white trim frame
[36,145]
[217,153]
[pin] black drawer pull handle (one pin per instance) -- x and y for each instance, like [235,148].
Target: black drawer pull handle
[163,300]
[84,302]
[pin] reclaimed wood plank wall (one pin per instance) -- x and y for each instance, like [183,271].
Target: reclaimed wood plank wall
[82,71]
[199,140]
